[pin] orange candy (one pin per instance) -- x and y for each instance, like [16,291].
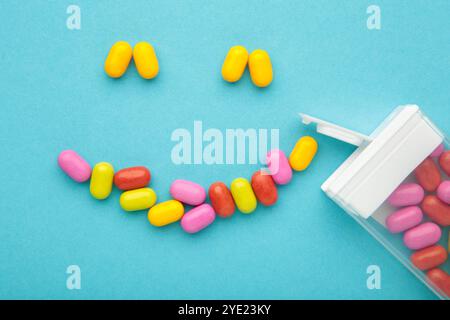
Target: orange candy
[132,178]
[428,175]
[444,162]
[264,188]
[440,279]
[436,210]
[221,199]
[429,258]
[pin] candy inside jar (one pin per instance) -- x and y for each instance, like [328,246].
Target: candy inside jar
[427,220]
[396,185]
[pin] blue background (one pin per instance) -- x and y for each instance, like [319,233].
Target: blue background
[55,95]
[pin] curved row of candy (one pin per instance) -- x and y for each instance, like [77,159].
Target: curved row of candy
[419,235]
[242,194]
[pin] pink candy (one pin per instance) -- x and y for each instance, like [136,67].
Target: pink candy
[279,167]
[407,194]
[438,151]
[188,192]
[404,219]
[74,165]
[443,191]
[198,218]
[422,236]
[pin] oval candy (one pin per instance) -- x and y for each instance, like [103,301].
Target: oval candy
[243,195]
[145,60]
[429,258]
[137,199]
[264,188]
[260,68]
[132,178]
[188,192]
[165,213]
[428,175]
[118,59]
[198,218]
[102,180]
[436,210]
[438,151]
[221,199]
[424,235]
[404,219]
[407,194]
[234,64]
[443,191]
[74,165]
[279,167]
[303,153]
[444,162]
[440,280]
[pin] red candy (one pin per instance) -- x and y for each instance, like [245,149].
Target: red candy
[221,199]
[264,188]
[132,178]
[444,162]
[440,279]
[430,257]
[436,210]
[428,175]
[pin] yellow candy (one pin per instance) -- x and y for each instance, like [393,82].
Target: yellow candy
[234,64]
[304,151]
[165,213]
[243,195]
[260,68]
[118,59]
[102,180]
[138,199]
[145,59]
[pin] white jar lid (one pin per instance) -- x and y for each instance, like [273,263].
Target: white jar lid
[381,161]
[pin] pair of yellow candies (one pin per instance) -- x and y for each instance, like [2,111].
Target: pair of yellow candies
[259,65]
[120,55]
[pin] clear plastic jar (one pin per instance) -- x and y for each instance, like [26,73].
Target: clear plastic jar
[409,152]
